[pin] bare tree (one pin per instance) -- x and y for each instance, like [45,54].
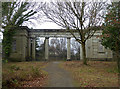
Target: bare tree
[81,17]
[58,45]
[58,48]
[75,45]
[75,49]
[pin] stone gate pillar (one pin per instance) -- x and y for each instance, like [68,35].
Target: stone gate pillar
[68,49]
[19,50]
[46,48]
[81,53]
[29,47]
[33,48]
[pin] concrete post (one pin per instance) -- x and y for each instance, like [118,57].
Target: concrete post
[68,49]
[81,53]
[29,47]
[46,48]
[33,49]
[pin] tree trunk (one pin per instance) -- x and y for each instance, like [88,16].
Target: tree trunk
[118,65]
[84,53]
[118,61]
[117,55]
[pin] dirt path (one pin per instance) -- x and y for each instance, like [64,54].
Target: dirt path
[58,77]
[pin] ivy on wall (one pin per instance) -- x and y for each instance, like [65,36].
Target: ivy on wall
[7,40]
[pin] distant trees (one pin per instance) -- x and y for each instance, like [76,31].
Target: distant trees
[58,48]
[111,31]
[75,47]
[40,49]
[84,17]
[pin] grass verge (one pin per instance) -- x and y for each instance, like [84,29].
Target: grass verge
[23,74]
[96,74]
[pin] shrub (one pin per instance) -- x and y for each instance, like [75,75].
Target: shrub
[35,72]
[14,67]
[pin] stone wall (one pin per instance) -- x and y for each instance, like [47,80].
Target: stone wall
[19,46]
[95,50]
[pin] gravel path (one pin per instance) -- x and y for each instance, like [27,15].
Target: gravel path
[58,77]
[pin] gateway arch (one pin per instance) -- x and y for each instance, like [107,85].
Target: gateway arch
[23,47]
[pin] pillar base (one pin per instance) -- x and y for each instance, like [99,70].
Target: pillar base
[69,60]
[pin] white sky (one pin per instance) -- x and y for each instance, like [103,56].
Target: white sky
[44,25]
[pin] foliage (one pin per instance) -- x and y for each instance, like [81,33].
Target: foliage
[35,71]
[4,61]
[13,15]
[8,38]
[111,32]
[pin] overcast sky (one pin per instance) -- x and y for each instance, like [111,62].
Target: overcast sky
[42,25]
